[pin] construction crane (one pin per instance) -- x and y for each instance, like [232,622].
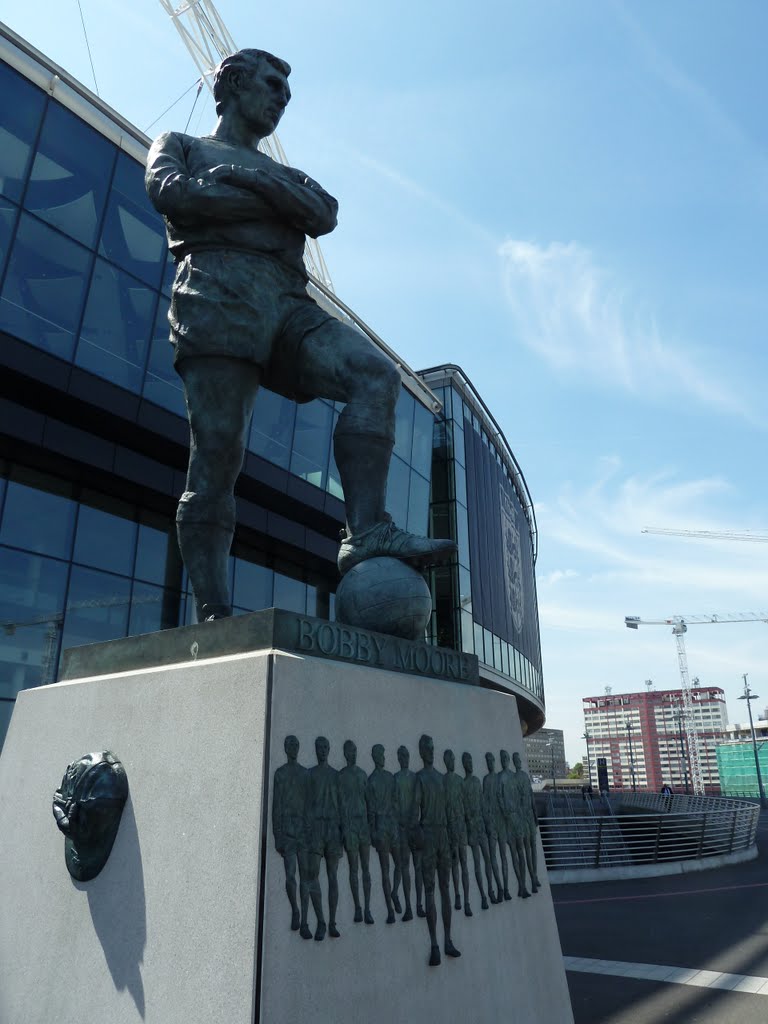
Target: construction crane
[679,624]
[745,535]
[206,38]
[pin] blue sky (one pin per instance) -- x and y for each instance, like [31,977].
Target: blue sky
[570,200]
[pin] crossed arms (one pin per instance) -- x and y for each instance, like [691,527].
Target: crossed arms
[229,193]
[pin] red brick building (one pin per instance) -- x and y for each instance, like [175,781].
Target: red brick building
[643,741]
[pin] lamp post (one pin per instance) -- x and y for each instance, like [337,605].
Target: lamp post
[551,745]
[586,738]
[678,716]
[748,696]
[628,727]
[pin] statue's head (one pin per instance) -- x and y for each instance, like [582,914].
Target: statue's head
[377,753]
[257,82]
[490,761]
[504,758]
[403,757]
[291,747]
[449,760]
[87,807]
[322,749]
[350,752]
[426,749]
[466,760]
[517,761]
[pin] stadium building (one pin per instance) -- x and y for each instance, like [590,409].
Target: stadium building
[93,432]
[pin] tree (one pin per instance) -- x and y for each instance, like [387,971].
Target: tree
[577,772]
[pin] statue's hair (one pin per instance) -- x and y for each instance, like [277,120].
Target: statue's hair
[247,61]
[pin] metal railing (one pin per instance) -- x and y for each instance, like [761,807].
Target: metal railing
[649,829]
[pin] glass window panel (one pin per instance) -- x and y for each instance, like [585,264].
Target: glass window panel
[418,504]
[461,483]
[462,534]
[133,235]
[488,645]
[97,607]
[272,427]
[290,594]
[39,514]
[397,491]
[311,600]
[155,549]
[333,485]
[117,326]
[153,609]
[423,426]
[23,105]
[442,439]
[478,631]
[442,479]
[32,592]
[505,653]
[44,288]
[498,659]
[465,589]
[404,424]
[70,176]
[162,385]
[106,539]
[311,442]
[253,585]
[8,214]
[458,444]
[442,520]
[467,633]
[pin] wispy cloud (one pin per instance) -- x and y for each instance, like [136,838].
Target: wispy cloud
[597,528]
[580,319]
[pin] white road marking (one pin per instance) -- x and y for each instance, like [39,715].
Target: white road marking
[677,975]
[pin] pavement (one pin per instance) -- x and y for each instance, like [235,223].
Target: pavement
[683,949]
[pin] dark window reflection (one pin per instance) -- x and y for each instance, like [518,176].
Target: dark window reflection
[31,604]
[290,594]
[152,609]
[39,514]
[97,607]
[253,585]
[70,176]
[418,504]
[423,424]
[272,427]
[397,491]
[404,424]
[116,329]
[133,235]
[8,214]
[311,444]
[106,539]
[156,552]
[44,288]
[23,105]
[162,385]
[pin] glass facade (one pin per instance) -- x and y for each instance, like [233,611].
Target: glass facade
[485,601]
[85,276]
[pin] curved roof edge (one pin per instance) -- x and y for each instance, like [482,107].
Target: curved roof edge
[450,372]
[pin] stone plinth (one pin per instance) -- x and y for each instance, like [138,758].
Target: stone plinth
[188,923]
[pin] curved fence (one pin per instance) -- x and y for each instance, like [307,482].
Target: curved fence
[645,828]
